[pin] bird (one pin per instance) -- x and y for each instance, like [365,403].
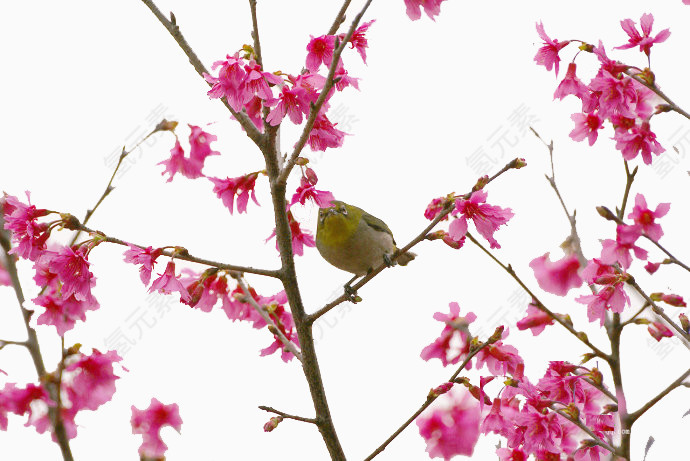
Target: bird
[355,241]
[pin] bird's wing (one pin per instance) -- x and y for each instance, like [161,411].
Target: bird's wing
[377,224]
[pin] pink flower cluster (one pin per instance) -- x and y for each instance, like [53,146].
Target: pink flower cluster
[88,381]
[149,422]
[612,94]
[432,8]
[486,218]
[524,415]
[190,167]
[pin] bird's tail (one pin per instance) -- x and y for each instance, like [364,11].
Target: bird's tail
[405,258]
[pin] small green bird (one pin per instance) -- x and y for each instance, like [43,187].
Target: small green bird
[353,240]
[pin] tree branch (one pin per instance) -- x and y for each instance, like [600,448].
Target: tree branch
[316,107]
[287,415]
[173,28]
[581,425]
[677,383]
[185,256]
[255,34]
[339,19]
[431,398]
[289,345]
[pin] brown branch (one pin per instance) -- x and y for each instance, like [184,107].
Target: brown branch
[289,345]
[574,238]
[287,415]
[629,178]
[339,18]
[316,107]
[672,105]
[677,383]
[255,34]
[32,344]
[184,255]
[431,398]
[539,304]
[581,425]
[421,236]
[174,30]
[658,310]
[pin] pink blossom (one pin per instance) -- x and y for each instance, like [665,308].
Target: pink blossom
[324,134]
[28,235]
[230,82]
[434,208]
[259,82]
[536,319]
[640,139]
[307,191]
[205,290]
[547,55]
[168,282]
[18,401]
[453,430]
[586,126]
[320,51]
[556,277]
[644,41]
[616,96]
[571,85]
[487,218]
[358,40]
[343,79]
[149,423]
[291,101]
[300,238]
[618,251]
[63,313]
[254,108]
[72,267]
[454,341]
[178,163]
[670,299]
[200,145]
[658,330]
[236,308]
[432,8]
[91,381]
[511,454]
[644,217]
[651,267]
[542,431]
[501,359]
[144,256]
[242,186]
[611,296]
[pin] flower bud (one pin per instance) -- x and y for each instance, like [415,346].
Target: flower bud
[272,423]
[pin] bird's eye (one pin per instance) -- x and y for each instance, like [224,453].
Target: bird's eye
[343,210]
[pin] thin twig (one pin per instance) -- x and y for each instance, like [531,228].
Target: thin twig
[430,399]
[629,178]
[677,383]
[186,256]
[574,238]
[581,425]
[289,345]
[658,310]
[672,105]
[421,236]
[339,19]
[645,305]
[287,415]
[174,30]
[32,344]
[255,34]
[538,303]
[316,107]
[109,188]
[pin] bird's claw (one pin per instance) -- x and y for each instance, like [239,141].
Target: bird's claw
[387,259]
[351,294]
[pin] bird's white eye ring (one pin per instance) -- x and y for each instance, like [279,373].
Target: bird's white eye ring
[343,210]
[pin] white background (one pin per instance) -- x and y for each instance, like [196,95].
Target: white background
[81,79]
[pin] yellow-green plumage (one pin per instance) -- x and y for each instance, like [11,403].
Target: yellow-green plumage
[353,240]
